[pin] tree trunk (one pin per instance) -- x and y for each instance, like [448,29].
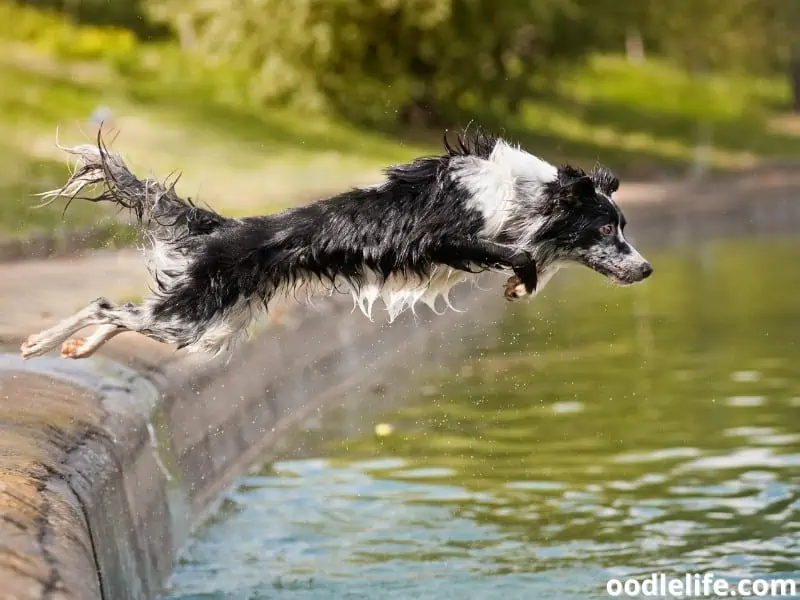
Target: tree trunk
[186,33]
[793,18]
[634,46]
[794,78]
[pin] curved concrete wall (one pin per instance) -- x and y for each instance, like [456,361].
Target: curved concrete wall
[107,464]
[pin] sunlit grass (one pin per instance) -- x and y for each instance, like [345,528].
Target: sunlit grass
[239,161]
[653,112]
[176,114]
[172,115]
[658,88]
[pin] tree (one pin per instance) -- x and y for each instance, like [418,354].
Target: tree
[441,60]
[383,58]
[708,34]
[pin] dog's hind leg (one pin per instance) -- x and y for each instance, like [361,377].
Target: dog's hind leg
[114,319]
[85,347]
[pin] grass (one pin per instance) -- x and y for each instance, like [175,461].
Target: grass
[235,157]
[658,110]
[649,119]
[237,160]
[175,114]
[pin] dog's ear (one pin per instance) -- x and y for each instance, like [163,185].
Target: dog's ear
[577,190]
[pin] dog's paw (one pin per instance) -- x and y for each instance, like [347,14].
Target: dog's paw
[36,345]
[75,348]
[514,289]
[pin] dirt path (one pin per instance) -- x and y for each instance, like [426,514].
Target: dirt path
[34,294]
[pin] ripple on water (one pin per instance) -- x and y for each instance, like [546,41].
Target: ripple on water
[745,401]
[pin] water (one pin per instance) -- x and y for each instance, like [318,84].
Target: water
[595,433]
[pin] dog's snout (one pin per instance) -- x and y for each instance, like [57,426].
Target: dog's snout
[647,270]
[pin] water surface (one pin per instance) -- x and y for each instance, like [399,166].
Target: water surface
[595,433]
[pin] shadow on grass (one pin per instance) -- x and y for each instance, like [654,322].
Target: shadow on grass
[36,97]
[632,164]
[627,163]
[277,129]
[51,98]
[747,134]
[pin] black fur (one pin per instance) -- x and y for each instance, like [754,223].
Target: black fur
[416,220]
[434,212]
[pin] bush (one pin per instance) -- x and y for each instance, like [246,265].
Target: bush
[58,36]
[380,60]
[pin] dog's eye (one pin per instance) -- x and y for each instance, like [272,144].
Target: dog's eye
[607,229]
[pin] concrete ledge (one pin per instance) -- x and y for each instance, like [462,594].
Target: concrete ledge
[66,431]
[45,548]
[106,465]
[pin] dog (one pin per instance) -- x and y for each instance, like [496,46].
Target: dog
[484,204]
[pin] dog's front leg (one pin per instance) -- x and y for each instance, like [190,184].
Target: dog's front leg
[522,283]
[525,278]
[457,252]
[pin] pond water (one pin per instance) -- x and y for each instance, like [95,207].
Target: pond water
[594,433]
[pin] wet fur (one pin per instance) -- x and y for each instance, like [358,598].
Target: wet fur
[481,205]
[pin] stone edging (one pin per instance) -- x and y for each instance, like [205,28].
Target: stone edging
[120,463]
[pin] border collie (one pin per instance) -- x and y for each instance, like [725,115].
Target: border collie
[482,205]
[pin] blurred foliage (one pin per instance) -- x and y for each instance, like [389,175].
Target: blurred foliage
[377,59]
[271,80]
[420,61]
[381,59]
[702,35]
[60,37]
[658,87]
[128,14]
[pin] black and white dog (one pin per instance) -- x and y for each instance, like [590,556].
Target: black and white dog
[482,205]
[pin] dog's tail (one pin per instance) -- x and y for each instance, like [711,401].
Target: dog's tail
[103,176]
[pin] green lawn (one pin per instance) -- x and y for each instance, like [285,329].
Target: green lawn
[654,112]
[240,161]
[175,115]
[235,157]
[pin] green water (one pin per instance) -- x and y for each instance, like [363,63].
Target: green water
[595,433]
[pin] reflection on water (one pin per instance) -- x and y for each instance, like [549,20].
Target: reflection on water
[594,433]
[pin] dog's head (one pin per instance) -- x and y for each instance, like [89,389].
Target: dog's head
[583,224]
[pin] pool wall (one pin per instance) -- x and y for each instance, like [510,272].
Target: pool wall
[108,464]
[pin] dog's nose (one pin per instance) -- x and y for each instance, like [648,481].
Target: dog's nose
[647,270]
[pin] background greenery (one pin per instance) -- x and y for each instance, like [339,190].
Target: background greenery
[263,103]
